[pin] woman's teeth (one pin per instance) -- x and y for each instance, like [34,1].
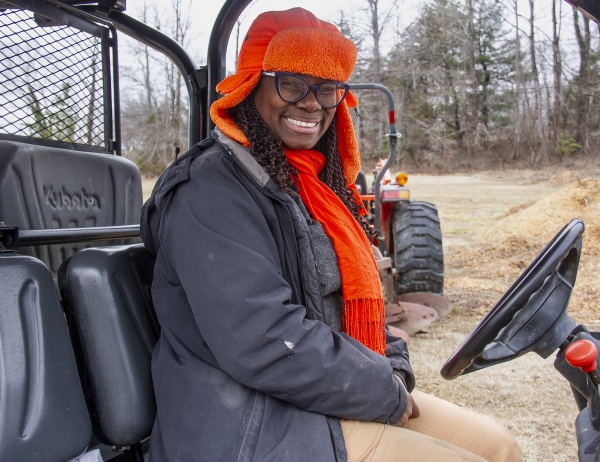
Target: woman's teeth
[300,123]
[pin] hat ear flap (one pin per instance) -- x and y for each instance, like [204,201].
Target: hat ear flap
[347,144]
[351,100]
[219,110]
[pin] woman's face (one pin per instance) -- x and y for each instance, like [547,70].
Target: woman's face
[298,125]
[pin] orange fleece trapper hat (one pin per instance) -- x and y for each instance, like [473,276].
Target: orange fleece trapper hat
[292,41]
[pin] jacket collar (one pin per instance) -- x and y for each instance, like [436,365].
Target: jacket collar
[243,156]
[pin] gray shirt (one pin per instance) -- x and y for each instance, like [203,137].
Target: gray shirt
[330,280]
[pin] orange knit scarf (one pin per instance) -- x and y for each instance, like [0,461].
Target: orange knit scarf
[363,317]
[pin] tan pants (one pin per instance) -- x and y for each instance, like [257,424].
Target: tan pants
[443,433]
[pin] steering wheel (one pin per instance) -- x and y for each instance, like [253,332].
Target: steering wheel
[531,315]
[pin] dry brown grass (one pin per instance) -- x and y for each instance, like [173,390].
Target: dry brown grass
[486,248]
[147,185]
[469,204]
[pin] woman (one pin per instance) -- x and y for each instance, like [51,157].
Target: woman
[273,344]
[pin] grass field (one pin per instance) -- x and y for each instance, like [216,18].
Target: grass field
[470,204]
[147,185]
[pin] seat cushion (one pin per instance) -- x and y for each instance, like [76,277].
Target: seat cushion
[106,295]
[43,416]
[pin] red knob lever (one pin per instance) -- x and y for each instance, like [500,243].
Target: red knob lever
[582,354]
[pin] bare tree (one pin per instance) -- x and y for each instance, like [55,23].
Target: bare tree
[369,30]
[155,122]
[557,72]
[518,84]
[377,23]
[584,44]
[471,61]
[537,147]
[92,104]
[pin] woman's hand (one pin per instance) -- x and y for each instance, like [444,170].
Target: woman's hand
[412,410]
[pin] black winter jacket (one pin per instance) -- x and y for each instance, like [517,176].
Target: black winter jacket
[245,369]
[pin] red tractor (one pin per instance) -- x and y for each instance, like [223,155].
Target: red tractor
[410,230]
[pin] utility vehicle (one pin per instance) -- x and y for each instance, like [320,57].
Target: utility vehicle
[65,193]
[65,187]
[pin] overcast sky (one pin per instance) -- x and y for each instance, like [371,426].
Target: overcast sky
[204,13]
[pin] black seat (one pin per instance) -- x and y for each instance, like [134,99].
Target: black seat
[43,416]
[361,183]
[43,187]
[106,296]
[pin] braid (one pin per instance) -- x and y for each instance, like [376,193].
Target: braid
[264,147]
[269,153]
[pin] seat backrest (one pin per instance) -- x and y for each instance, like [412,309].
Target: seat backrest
[361,183]
[43,416]
[107,300]
[43,187]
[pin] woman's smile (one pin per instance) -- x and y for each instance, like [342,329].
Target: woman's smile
[301,126]
[299,123]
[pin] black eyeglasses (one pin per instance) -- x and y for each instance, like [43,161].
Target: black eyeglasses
[293,87]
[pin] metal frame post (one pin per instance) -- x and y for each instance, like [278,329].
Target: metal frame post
[393,136]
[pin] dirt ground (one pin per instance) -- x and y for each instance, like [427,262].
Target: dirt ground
[493,224]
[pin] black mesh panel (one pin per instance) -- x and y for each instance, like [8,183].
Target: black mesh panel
[51,81]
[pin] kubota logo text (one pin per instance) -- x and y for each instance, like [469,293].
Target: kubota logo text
[61,199]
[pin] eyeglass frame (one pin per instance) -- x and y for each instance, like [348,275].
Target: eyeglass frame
[309,87]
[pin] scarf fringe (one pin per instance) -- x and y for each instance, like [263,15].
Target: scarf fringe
[364,320]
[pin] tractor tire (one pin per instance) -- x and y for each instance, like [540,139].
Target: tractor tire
[418,253]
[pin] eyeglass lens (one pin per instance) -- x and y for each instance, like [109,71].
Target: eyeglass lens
[293,88]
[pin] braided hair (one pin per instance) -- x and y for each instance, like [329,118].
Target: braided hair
[270,154]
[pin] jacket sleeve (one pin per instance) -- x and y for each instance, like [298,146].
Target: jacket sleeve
[397,353]
[221,245]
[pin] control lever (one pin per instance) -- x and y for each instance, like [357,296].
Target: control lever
[583,354]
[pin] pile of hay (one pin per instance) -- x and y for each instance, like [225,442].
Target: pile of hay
[543,219]
[501,252]
[563,178]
